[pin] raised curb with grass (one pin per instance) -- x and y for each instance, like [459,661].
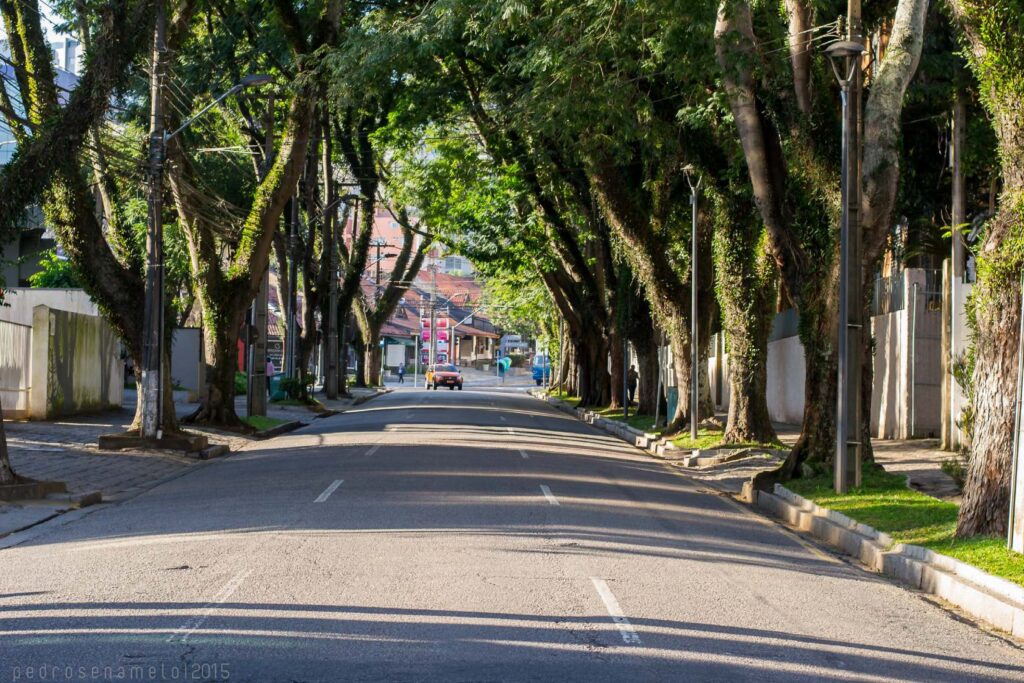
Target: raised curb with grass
[983,596]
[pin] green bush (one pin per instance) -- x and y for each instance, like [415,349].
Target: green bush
[295,388]
[241,384]
[956,468]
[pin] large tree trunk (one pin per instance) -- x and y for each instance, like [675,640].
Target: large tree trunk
[746,286]
[221,350]
[986,503]
[373,357]
[595,381]
[617,377]
[647,359]
[992,31]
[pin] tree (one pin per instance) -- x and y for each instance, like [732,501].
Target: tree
[991,33]
[52,136]
[793,175]
[229,265]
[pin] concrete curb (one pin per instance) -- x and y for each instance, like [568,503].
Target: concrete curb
[78,500]
[985,597]
[279,429]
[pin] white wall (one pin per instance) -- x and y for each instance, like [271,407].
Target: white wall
[76,365]
[15,369]
[23,299]
[786,378]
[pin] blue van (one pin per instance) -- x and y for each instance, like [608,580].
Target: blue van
[541,369]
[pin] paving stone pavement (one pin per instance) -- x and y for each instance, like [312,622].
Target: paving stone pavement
[66,451]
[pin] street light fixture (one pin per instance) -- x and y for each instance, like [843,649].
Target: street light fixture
[153,322]
[844,55]
[694,180]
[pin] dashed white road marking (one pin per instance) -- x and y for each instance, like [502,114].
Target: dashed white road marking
[524,454]
[629,634]
[372,450]
[503,418]
[193,624]
[328,491]
[547,494]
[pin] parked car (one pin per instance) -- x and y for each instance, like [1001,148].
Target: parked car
[444,375]
[541,368]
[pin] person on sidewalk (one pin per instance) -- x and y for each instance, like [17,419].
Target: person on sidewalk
[401,373]
[270,373]
[631,380]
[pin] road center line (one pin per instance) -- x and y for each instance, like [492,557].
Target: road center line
[328,491]
[547,494]
[523,453]
[193,624]
[629,634]
[372,450]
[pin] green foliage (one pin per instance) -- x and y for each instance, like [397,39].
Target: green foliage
[956,469]
[297,389]
[55,271]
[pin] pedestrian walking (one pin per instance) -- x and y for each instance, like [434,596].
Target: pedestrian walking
[401,373]
[271,370]
[631,381]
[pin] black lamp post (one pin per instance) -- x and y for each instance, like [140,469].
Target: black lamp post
[844,56]
[694,179]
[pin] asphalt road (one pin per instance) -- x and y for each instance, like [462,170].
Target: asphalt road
[463,536]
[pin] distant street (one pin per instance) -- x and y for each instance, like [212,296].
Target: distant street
[474,535]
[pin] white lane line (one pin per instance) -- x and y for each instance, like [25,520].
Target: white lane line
[547,494]
[372,450]
[524,454]
[193,624]
[629,634]
[503,418]
[328,491]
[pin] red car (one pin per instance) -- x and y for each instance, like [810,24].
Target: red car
[444,375]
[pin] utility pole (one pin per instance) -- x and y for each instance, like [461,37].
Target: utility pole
[694,355]
[153,322]
[331,354]
[433,310]
[957,319]
[256,399]
[846,55]
[291,363]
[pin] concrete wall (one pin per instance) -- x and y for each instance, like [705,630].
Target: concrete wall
[22,300]
[76,364]
[786,378]
[187,358]
[907,398]
[15,369]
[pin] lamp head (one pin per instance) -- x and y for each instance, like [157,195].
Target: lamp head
[841,49]
[252,80]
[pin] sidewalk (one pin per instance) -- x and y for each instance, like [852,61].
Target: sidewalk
[920,460]
[65,450]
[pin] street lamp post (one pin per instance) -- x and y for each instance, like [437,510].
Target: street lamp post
[694,179]
[153,321]
[845,55]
